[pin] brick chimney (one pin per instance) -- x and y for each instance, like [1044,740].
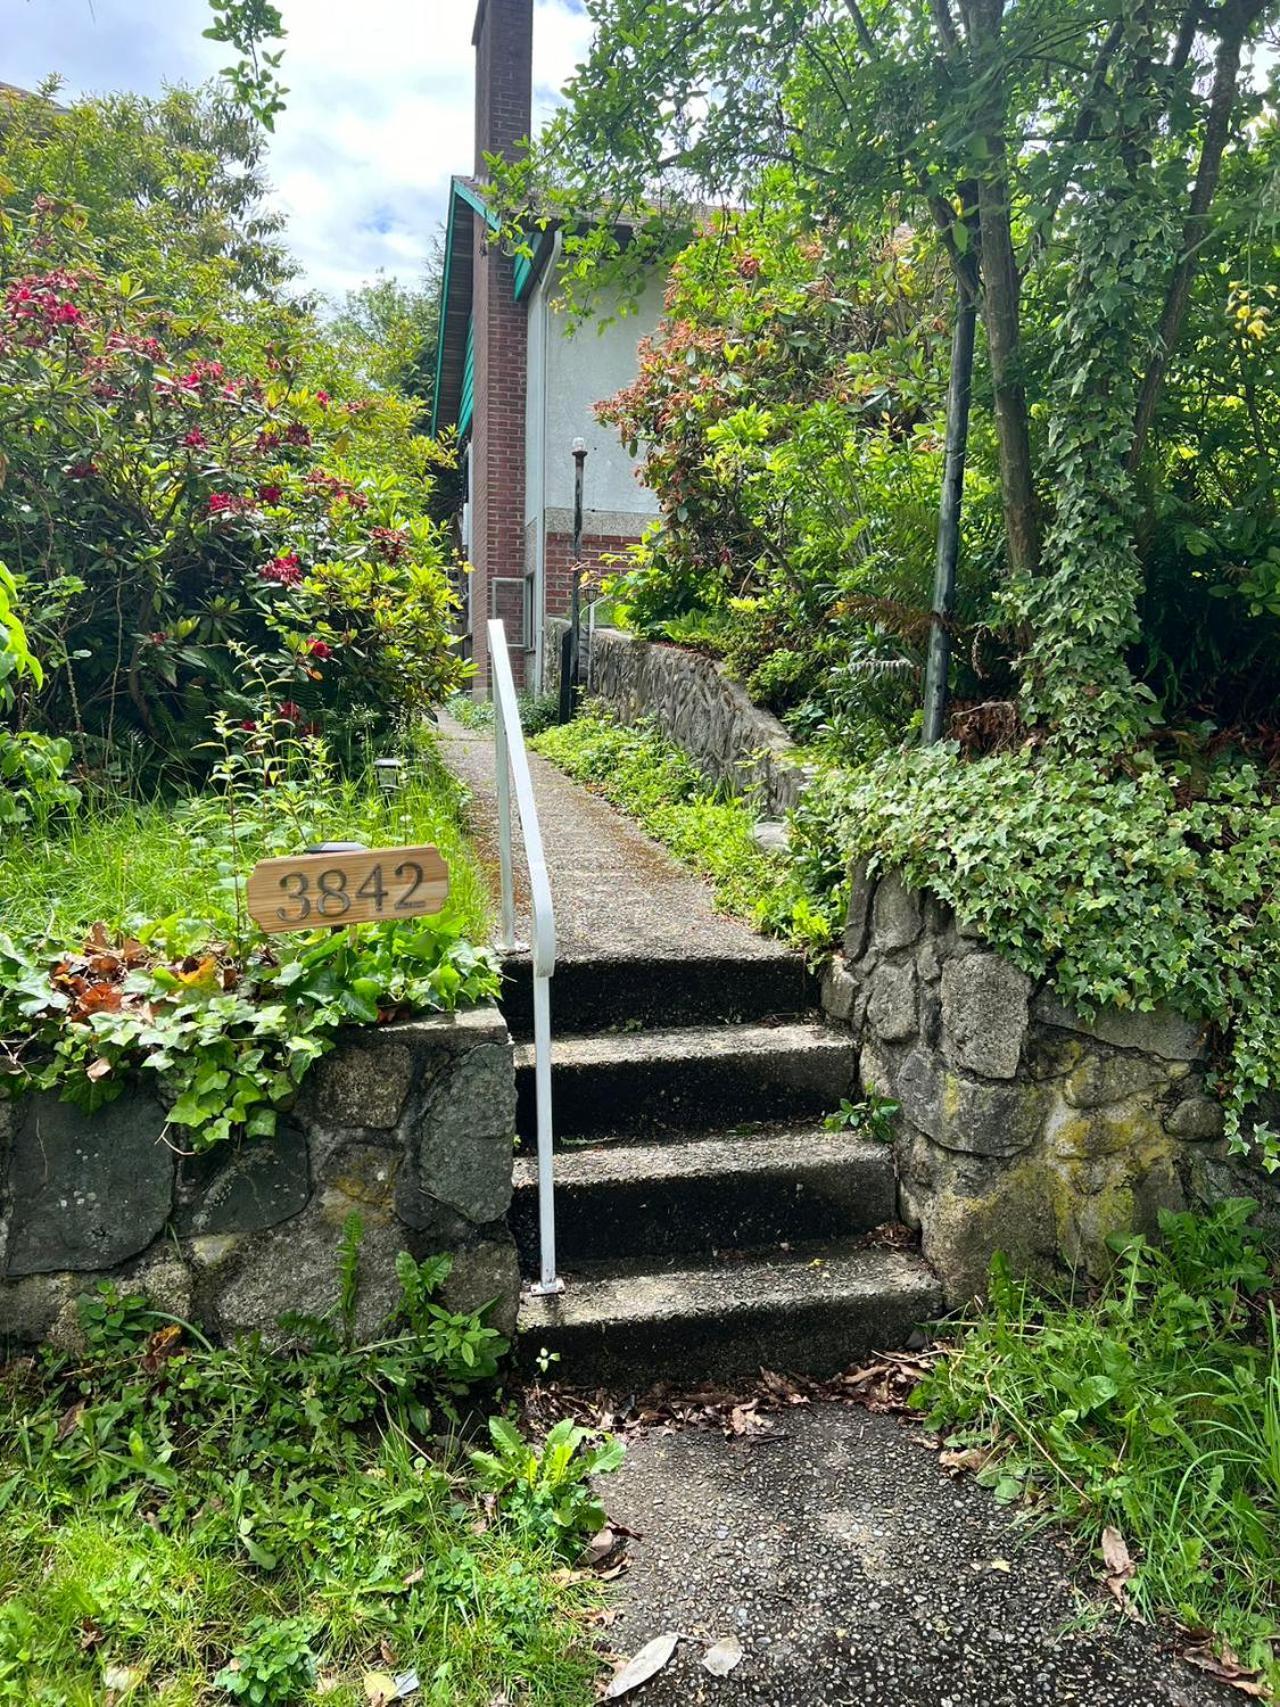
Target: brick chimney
[503,40]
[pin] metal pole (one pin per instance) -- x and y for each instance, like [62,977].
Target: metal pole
[944,572]
[575,596]
[548,1280]
[504,829]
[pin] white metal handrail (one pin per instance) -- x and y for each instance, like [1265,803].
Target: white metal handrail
[513,764]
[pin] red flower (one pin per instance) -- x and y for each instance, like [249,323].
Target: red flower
[249,724]
[195,439]
[285,570]
[82,471]
[268,440]
[322,398]
[319,648]
[297,434]
[159,637]
[221,502]
[269,494]
[288,712]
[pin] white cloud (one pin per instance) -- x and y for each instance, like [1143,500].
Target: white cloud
[379,111]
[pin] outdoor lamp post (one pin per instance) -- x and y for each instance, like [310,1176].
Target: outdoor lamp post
[390,775]
[569,657]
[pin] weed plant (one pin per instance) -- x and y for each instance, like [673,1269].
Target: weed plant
[188,1524]
[1152,1409]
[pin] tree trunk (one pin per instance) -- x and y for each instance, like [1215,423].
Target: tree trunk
[1000,295]
[959,392]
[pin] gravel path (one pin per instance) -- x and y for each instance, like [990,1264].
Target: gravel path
[855,1573]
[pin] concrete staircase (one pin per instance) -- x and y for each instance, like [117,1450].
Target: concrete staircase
[707,1223]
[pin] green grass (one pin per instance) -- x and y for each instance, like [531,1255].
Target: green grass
[128,862]
[657,783]
[537,711]
[1152,1409]
[168,1511]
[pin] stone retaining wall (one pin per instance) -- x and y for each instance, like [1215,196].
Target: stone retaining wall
[694,704]
[1022,1126]
[412,1125]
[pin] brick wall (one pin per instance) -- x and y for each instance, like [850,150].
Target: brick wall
[503,41]
[560,560]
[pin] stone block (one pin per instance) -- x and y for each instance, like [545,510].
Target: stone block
[1112,1129]
[486,1271]
[984,1014]
[461,1136]
[253,1185]
[29,1307]
[86,1191]
[1155,1031]
[897,916]
[364,1081]
[858,918]
[841,992]
[1196,1117]
[1099,1079]
[891,1007]
[294,1269]
[967,1114]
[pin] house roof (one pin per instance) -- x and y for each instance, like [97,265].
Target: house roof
[451,405]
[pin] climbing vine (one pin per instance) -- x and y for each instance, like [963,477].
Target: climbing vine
[1081,607]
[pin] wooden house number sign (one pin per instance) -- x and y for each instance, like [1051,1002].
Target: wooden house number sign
[301,891]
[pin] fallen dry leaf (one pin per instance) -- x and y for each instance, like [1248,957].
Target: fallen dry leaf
[1226,1668]
[598,1548]
[379,1688]
[969,1460]
[722,1656]
[643,1665]
[1120,1567]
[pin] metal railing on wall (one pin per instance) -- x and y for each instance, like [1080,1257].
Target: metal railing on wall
[513,767]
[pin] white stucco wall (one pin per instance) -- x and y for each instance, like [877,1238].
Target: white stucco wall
[569,373]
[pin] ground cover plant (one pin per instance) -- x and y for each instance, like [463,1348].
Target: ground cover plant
[1148,1418]
[191,1524]
[128,948]
[658,784]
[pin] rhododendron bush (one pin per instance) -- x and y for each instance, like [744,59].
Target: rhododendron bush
[183,526]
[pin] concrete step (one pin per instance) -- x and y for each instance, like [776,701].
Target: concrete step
[810,1311]
[706,1077]
[734,1192]
[699,989]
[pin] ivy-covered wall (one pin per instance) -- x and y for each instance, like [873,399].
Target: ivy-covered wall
[1021,1126]
[410,1125]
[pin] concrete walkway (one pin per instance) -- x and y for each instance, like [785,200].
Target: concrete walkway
[855,1573]
[618,895]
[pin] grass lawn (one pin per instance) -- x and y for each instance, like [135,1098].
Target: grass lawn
[190,1526]
[126,863]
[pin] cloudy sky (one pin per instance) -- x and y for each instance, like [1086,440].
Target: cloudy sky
[379,105]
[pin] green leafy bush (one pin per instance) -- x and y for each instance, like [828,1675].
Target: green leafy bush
[1153,1411]
[222,1021]
[1156,885]
[651,778]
